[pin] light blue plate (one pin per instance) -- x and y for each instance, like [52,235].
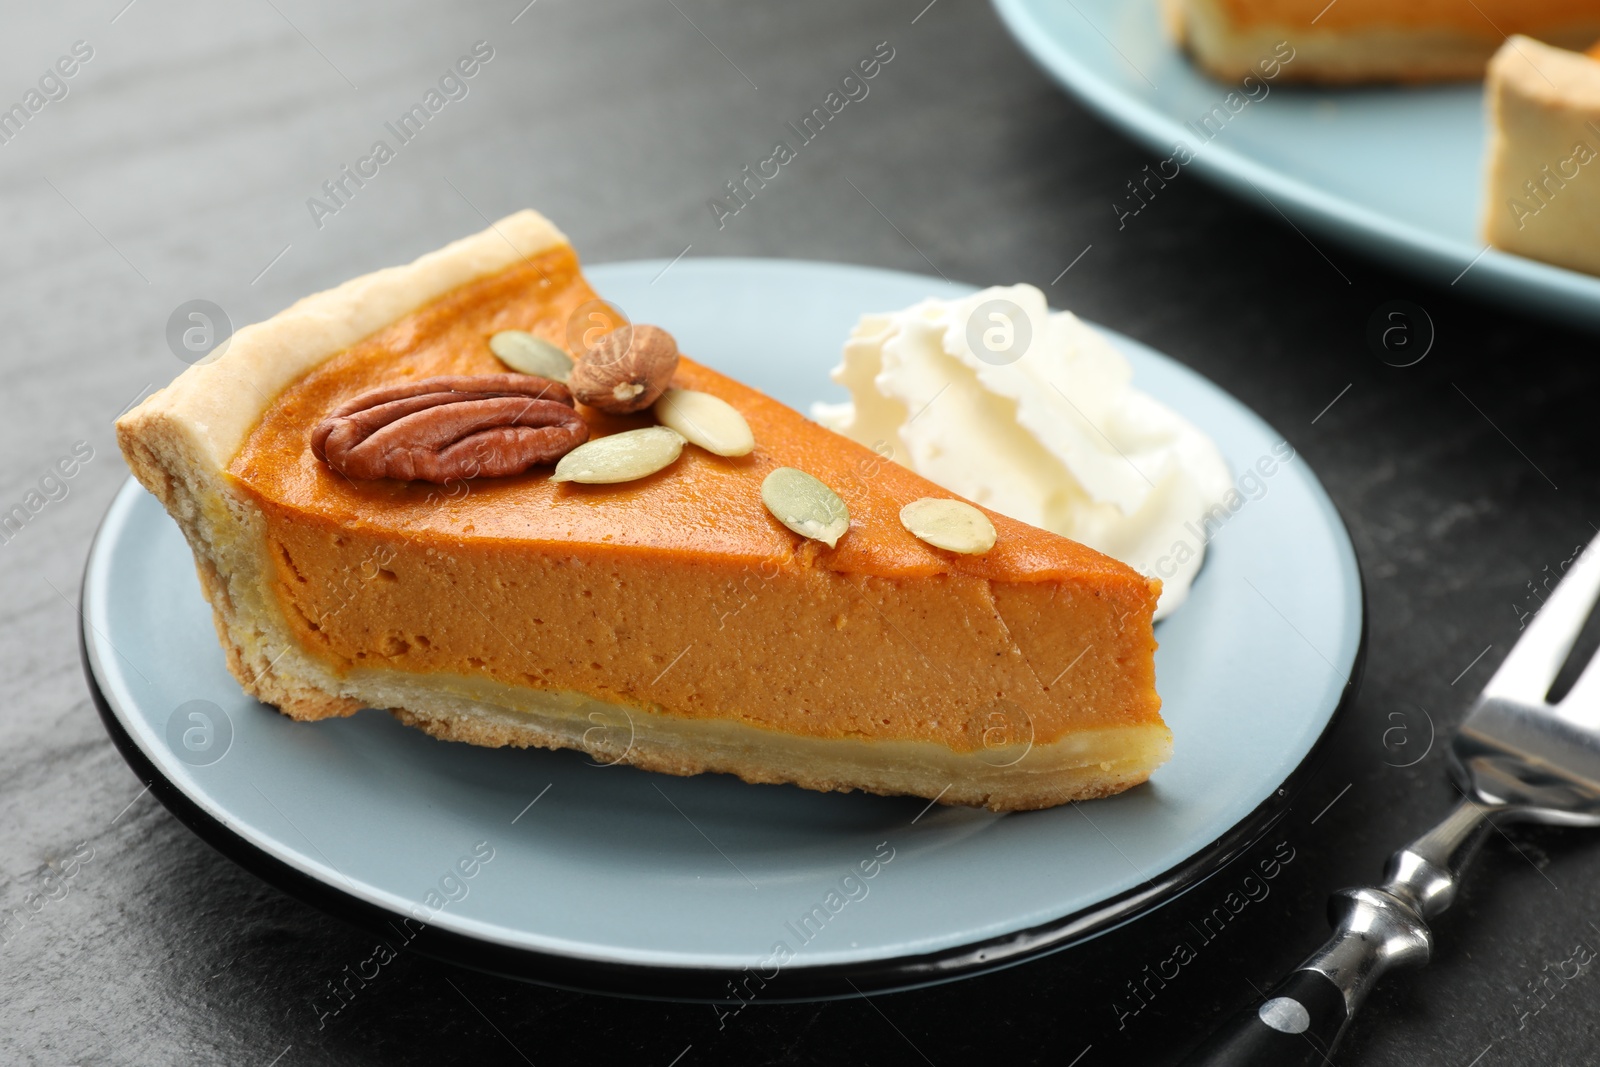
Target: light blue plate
[1394,171]
[621,880]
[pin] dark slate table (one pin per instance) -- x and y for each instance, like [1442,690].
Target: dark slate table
[177,165]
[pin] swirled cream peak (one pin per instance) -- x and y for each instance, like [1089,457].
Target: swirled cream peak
[1032,413]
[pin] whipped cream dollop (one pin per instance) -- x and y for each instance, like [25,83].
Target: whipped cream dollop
[1032,413]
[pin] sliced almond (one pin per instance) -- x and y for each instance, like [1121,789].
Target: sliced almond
[527,354]
[621,457]
[705,420]
[949,524]
[805,505]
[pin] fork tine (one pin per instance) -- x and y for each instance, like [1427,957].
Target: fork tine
[1582,702]
[1537,656]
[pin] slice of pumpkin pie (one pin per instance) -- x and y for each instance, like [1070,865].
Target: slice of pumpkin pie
[385,514]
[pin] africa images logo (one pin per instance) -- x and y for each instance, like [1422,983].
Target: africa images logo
[852,89]
[1250,485]
[339,190]
[51,86]
[199,733]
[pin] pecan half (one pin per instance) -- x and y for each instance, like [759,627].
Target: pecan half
[449,428]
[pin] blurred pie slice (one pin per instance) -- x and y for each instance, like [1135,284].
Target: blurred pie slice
[1543,193]
[671,622]
[1370,40]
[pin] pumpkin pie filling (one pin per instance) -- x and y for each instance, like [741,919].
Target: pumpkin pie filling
[1024,676]
[1368,40]
[1478,17]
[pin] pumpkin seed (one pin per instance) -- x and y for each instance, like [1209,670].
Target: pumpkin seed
[805,505]
[527,354]
[705,420]
[949,524]
[620,457]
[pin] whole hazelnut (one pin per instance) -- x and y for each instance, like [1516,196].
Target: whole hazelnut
[626,370]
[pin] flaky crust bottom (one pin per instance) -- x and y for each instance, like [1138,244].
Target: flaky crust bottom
[1019,777]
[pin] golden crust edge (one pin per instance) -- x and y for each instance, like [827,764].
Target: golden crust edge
[222,399]
[1337,57]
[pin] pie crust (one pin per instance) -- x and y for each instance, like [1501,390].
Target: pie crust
[1543,190]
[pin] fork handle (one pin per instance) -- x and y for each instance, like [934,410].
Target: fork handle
[1375,930]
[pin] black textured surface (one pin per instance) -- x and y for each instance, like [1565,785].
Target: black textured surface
[178,166]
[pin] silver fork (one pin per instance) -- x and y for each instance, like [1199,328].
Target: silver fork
[1516,758]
